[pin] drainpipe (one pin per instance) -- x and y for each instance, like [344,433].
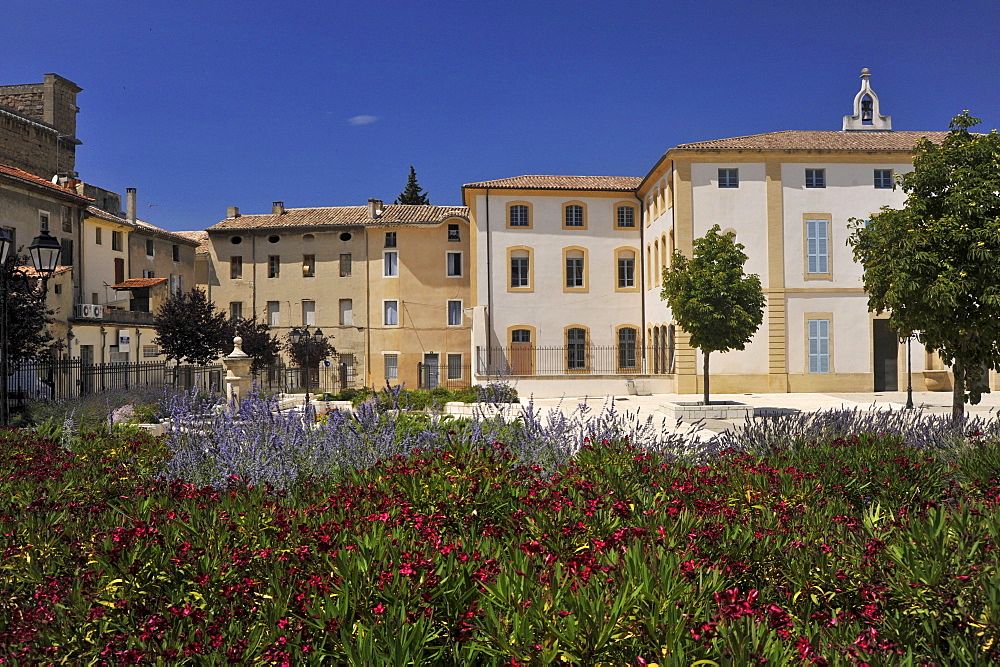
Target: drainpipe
[368,312]
[489,288]
[253,283]
[642,273]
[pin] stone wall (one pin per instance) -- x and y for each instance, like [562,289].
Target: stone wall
[38,126]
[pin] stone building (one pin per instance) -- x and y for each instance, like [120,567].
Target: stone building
[38,127]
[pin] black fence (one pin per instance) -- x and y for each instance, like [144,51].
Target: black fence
[450,376]
[340,374]
[574,360]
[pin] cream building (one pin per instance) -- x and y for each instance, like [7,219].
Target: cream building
[389,283]
[789,197]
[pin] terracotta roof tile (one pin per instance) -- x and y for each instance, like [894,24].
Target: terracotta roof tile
[818,140]
[353,216]
[29,270]
[133,283]
[199,237]
[23,175]
[142,226]
[105,215]
[543,182]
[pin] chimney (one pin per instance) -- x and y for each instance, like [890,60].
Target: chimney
[130,204]
[374,208]
[232,211]
[277,208]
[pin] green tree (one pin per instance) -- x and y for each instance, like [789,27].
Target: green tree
[413,193]
[308,352]
[189,328]
[712,298]
[28,321]
[258,342]
[934,265]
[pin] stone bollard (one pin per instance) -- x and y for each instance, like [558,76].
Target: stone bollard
[238,377]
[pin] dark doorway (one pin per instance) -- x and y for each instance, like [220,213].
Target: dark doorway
[886,348]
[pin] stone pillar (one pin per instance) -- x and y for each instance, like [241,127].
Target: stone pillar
[238,377]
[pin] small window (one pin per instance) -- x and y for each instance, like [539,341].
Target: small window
[390,239]
[146,273]
[574,215]
[729,178]
[236,240]
[520,336]
[150,351]
[817,247]
[236,310]
[519,216]
[454,313]
[98,234]
[884,179]
[43,220]
[236,267]
[347,312]
[454,366]
[67,219]
[626,270]
[454,264]
[391,364]
[176,251]
[273,313]
[57,288]
[815,178]
[273,238]
[273,266]
[819,346]
[390,264]
[149,247]
[390,313]
[626,216]
[308,266]
[519,270]
[345,236]
[345,265]
[453,234]
[308,313]
[116,241]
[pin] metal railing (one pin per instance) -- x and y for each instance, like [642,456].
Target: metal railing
[450,377]
[336,377]
[573,360]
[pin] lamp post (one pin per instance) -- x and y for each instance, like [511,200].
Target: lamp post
[308,340]
[909,374]
[45,250]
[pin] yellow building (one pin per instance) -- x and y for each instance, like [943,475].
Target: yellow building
[390,284]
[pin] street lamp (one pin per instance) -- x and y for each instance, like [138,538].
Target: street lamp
[308,340]
[44,250]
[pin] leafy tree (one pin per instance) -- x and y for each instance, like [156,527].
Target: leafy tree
[712,298]
[191,329]
[935,263]
[258,342]
[413,193]
[28,335]
[308,352]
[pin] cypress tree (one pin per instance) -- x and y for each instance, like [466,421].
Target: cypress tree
[413,193]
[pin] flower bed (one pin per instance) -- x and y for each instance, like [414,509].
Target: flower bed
[857,549]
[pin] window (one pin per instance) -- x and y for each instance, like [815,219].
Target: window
[149,247]
[273,266]
[817,247]
[146,273]
[520,268]
[390,239]
[454,264]
[627,337]
[576,270]
[176,252]
[98,232]
[57,288]
[520,336]
[453,234]
[390,313]
[43,220]
[519,215]
[576,349]
[67,219]
[273,313]
[236,310]
[176,281]
[390,264]
[625,217]
[391,364]
[573,215]
[819,346]
[454,313]
[116,241]
[308,313]
[347,312]
[729,178]
[308,266]
[626,269]
[815,178]
[454,366]
[884,179]
[150,351]
[236,267]
[345,265]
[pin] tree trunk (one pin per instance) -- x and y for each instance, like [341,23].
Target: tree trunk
[706,377]
[958,392]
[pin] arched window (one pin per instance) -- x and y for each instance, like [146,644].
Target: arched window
[625,270]
[627,342]
[574,215]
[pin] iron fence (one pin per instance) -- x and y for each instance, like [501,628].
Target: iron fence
[339,375]
[574,360]
[450,376]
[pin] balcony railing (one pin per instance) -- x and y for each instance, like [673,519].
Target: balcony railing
[574,360]
[120,316]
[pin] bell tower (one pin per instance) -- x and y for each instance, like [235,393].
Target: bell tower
[866,116]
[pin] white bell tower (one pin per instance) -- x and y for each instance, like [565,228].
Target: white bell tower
[866,111]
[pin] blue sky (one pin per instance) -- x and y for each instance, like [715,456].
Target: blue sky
[207,104]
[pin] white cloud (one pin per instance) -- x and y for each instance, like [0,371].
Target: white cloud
[362,120]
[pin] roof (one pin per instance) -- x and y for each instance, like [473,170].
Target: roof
[200,237]
[135,283]
[141,226]
[105,215]
[344,216]
[32,273]
[818,140]
[542,182]
[27,177]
